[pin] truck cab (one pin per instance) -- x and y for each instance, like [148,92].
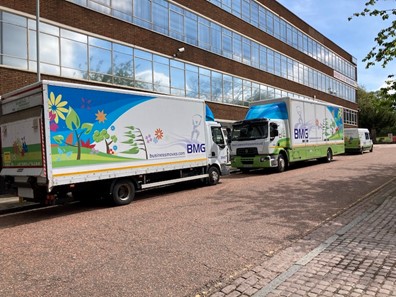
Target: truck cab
[218,152]
[255,143]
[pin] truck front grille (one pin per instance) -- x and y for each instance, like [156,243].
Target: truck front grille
[247,152]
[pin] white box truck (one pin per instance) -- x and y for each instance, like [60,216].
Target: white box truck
[281,131]
[357,140]
[59,139]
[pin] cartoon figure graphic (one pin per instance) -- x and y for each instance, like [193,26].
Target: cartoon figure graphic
[196,122]
[20,147]
[299,112]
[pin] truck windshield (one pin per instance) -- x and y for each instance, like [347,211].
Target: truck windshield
[250,131]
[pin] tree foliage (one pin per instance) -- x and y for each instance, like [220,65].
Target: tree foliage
[377,112]
[385,49]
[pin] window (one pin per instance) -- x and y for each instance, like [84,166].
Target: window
[177,78]
[161,74]
[123,67]
[227,43]
[143,70]
[142,13]
[215,38]
[217,136]
[246,10]
[99,59]
[246,51]
[236,7]
[192,81]
[191,25]
[217,86]
[14,43]
[204,84]
[227,88]
[237,47]
[176,23]
[74,54]
[204,33]
[160,17]
[122,9]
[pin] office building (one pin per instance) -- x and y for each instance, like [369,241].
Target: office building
[227,52]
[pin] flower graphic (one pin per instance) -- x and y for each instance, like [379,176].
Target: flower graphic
[54,127]
[86,103]
[101,116]
[148,138]
[57,107]
[159,134]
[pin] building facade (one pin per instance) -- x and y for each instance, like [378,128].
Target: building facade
[226,52]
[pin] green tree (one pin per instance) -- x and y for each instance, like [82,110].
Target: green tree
[385,49]
[376,112]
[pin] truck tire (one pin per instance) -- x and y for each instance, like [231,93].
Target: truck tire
[214,176]
[329,156]
[372,148]
[281,164]
[123,192]
[361,150]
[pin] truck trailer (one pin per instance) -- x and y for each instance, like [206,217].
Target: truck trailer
[278,132]
[61,139]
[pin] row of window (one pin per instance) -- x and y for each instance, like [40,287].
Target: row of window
[181,24]
[350,117]
[71,54]
[257,15]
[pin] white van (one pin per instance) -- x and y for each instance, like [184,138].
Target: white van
[357,140]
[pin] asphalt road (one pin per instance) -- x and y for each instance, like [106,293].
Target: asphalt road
[180,240]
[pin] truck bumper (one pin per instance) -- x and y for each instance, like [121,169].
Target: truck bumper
[255,162]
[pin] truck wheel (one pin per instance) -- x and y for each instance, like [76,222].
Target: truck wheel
[214,176]
[329,156]
[361,150]
[123,192]
[372,148]
[281,163]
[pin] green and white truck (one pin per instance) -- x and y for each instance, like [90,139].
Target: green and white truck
[278,132]
[59,139]
[358,140]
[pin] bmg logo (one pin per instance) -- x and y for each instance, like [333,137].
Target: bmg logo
[301,133]
[193,148]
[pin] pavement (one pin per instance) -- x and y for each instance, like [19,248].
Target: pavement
[357,257]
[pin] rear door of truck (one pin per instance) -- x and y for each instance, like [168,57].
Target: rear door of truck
[22,134]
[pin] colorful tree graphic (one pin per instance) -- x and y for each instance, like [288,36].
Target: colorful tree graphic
[72,120]
[135,140]
[99,136]
[73,123]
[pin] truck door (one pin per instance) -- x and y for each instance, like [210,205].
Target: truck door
[218,149]
[21,139]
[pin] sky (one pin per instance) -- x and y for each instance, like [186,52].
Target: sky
[330,18]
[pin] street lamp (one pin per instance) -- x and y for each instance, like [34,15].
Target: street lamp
[38,39]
